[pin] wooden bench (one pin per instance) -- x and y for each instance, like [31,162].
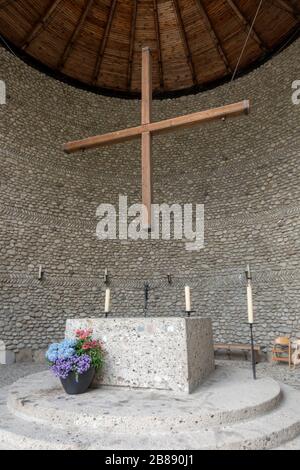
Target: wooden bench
[246,348]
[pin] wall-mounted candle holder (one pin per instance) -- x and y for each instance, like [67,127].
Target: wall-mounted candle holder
[106,277]
[41,273]
[169,278]
[188,312]
[248,273]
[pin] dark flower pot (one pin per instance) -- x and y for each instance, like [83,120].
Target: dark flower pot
[72,387]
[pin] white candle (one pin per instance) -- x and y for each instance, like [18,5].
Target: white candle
[107,300]
[40,272]
[249,302]
[187,298]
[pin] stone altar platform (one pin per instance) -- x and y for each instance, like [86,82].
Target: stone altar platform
[229,411]
[167,353]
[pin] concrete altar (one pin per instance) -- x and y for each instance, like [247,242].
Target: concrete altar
[168,353]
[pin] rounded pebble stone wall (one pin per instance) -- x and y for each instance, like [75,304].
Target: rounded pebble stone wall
[244,170]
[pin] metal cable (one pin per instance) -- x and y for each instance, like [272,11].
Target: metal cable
[7,45]
[246,41]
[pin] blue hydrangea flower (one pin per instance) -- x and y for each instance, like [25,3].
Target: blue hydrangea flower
[68,343]
[63,350]
[52,352]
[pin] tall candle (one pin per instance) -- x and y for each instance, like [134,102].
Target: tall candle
[187,298]
[249,302]
[40,272]
[107,300]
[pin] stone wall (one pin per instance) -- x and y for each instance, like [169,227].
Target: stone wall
[245,171]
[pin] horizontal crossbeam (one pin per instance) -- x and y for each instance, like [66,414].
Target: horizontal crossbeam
[167,125]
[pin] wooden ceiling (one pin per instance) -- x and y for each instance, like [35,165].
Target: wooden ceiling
[194,42]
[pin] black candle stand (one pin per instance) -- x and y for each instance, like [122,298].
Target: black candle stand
[252,352]
[146,297]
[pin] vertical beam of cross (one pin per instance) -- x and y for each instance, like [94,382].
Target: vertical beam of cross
[146,137]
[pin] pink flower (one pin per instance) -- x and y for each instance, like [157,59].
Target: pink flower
[83,334]
[91,345]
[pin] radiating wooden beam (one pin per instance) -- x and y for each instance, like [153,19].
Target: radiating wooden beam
[185,41]
[294,3]
[213,34]
[39,24]
[289,6]
[131,45]
[157,32]
[167,125]
[72,40]
[247,25]
[104,42]
[6,3]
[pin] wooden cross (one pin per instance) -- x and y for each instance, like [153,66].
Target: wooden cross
[148,128]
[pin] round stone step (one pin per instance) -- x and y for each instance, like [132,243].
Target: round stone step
[230,395]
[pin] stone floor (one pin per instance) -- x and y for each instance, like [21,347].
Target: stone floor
[279,372]
[9,374]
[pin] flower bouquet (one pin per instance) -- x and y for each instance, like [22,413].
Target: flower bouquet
[75,361]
